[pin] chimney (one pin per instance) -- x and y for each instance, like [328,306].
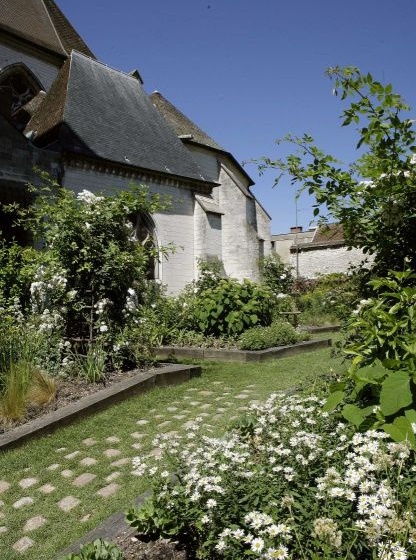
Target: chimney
[296,229]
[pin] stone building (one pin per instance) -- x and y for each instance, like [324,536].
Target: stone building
[94,127]
[316,251]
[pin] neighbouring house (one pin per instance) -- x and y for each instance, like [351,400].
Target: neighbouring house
[94,127]
[316,251]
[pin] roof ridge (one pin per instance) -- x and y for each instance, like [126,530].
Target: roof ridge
[96,61]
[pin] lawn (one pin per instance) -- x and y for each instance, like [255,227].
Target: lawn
[98,445]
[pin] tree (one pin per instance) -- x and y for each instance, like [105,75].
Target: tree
[375,197]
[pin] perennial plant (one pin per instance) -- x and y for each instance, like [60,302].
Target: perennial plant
[290,482]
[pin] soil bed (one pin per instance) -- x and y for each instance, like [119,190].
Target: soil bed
[69,390]
[136,549]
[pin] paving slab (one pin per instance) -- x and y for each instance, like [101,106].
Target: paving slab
[109,490]
[68,503]
[4,485]
[23,544]
[34,523]
[23,502]
[46,489]
[83,479]
[28,482]
[88,461]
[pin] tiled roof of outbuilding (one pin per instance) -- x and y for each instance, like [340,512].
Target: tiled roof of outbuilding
[95,110]
[41,23]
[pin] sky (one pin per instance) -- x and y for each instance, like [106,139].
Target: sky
[251,71]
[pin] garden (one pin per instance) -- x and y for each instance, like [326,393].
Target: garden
[321,463]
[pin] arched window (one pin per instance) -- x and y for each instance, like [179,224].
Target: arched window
[18,86]
[144,232]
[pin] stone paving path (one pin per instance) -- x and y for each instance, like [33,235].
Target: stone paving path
[74,468]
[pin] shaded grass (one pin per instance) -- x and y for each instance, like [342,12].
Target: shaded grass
[35,457]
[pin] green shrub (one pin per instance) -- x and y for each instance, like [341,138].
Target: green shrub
[380,391]
[232,307]
[328,299]
[97,550]
[276,275]
[277,334]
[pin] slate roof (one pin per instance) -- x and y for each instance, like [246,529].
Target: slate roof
[180,123]
[190,133]
[95,110]
[42,23]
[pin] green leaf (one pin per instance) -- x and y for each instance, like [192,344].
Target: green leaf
[395,392]
[333,401]
[401,430]
[355,415]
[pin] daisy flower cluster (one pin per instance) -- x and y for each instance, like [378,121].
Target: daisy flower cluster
[290,482]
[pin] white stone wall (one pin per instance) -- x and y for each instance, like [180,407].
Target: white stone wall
[240,244]
[207,236]
[173,226]
[45,72]
[315,262]
[207,161]
[263,228]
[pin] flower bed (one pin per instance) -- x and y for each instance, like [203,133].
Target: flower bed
[290,482]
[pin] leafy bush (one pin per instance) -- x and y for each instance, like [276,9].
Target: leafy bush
[276,275]
[380,339]
[232,307]
[277,334]
[291,482]
[328,299]
[383,326]
[97,550]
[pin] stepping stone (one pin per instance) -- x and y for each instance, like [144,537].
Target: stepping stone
[61,449]
[85,518]
[159,416]
[109,490]
[242,408]
[186,397]
[112,476]
[28,482]
[142,422]
[113,439]
[23,544]
[3,529]
[2,516]
[205,406]
[83,479]
[53,467]
[242,396]
[89,441]
[250,386]
[219,399]
[4,486]
[164,424]
[72,455]
[218,382]
[172,408]
[111,453]
[67,473]
[25,501]
[1,503]
[47,488]
[136,445]
[205,393]
[120,462]
[204,414]
[195,403]
[68,503]
[192,389]
[179,416]
[220,410]
[156,452]
[137,435]
[34,523]
[88,462]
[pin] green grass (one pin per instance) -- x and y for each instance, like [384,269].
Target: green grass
[32,459]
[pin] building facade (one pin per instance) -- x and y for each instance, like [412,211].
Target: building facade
[93,127]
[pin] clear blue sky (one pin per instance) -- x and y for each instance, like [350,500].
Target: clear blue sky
[250,71]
